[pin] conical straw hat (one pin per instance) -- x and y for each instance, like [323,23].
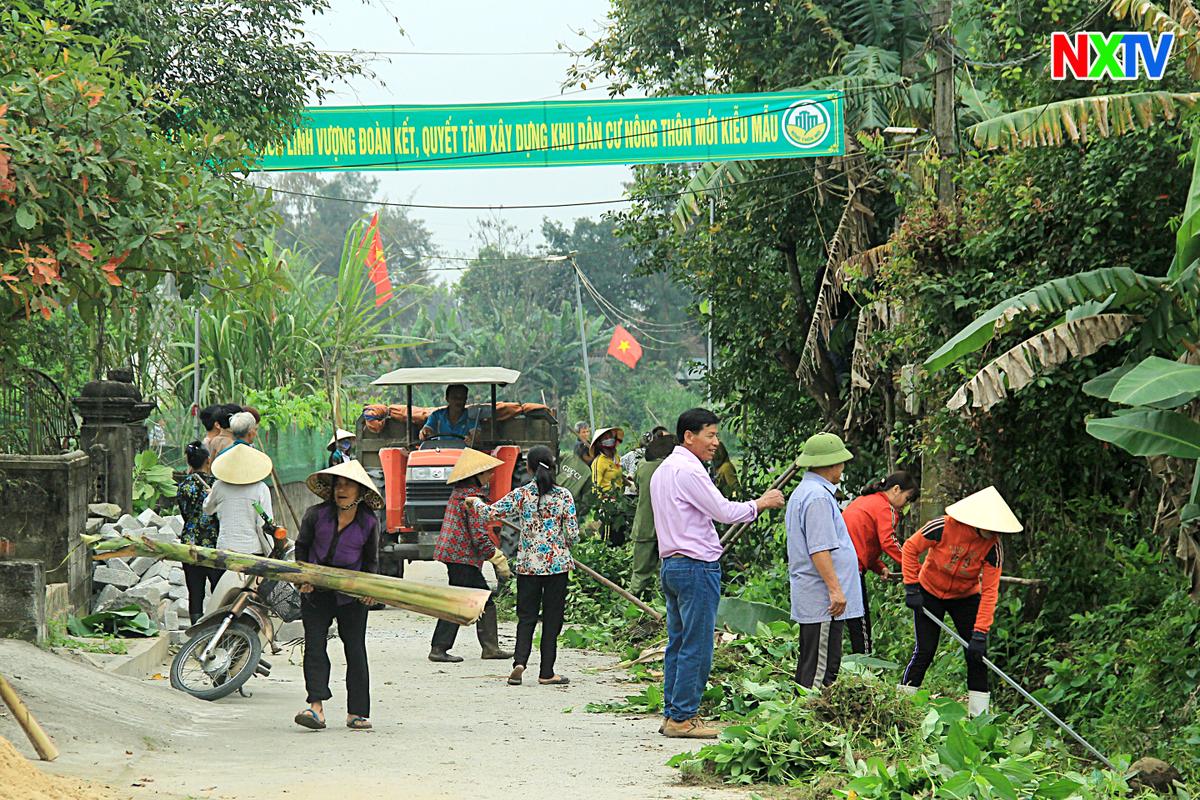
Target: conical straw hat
[241,464]
[472,462]
[986,510]
[600,434]
[321,483]
[342,433]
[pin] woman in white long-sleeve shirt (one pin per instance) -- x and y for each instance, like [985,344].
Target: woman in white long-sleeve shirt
[240,472]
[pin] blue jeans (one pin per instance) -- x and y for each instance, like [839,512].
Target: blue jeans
[693,591]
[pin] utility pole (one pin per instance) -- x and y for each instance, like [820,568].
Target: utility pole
[587,370]
[708,367]
[944,102]
[196,369]
[936,469]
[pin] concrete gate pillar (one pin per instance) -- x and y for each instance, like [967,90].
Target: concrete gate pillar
[113,425]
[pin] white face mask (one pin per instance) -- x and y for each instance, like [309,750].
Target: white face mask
[608,442]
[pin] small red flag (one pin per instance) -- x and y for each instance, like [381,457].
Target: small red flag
[624,347]
[376,264]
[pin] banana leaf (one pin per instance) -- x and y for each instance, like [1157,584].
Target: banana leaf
[1158,382]
[451,603]
[128,621]
[1150,433]
[743,616]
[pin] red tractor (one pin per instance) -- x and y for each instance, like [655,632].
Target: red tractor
[412,473]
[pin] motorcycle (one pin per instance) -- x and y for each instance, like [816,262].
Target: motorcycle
[224,648]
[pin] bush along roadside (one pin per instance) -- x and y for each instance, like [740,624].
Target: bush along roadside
[860,739]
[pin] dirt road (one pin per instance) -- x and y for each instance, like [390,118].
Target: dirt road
[442,730]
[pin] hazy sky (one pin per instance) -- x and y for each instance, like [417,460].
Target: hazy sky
[472,26]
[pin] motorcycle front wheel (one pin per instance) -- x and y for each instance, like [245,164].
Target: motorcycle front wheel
[233,661]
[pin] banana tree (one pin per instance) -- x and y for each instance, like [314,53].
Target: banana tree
[1153,317]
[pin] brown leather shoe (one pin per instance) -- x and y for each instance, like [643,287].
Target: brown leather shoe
[688,729]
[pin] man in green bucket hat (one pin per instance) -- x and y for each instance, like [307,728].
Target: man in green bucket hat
[822,565]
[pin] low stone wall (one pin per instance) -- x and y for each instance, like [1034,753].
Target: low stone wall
[43,505]
[23,601]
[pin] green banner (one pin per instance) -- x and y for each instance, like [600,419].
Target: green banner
[565,133]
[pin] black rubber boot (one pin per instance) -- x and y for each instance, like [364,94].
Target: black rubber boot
[443,656]
[489,637]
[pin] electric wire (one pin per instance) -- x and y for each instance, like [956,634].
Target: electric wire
[464,53]
[576,204]
[609,309]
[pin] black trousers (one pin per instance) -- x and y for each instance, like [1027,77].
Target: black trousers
[962,612]
[444,633]
[860,627]
[547,594]
[318,610]
[194,577]
[820,652]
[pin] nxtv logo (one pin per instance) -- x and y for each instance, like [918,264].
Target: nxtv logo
[1119,56]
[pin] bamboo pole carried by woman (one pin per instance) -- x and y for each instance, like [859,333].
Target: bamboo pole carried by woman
[37,737]
[453,604]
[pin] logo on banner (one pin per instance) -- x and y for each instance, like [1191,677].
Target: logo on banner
[805,124]
[1120,56]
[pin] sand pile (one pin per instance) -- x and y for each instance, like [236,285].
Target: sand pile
[24,781]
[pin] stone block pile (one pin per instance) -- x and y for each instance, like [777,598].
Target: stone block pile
[154,585]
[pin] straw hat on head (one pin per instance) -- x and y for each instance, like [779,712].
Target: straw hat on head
[321,483]
[823,450]
[472,463]
[342,433]
[987,511]
[604,432]
[241,464]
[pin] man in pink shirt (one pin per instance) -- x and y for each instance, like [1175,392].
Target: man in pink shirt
[685,504]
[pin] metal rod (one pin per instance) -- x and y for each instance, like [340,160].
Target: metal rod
[587,370]
[1024,693]
[408,421]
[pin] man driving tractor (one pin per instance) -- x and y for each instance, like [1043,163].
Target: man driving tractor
[455,421]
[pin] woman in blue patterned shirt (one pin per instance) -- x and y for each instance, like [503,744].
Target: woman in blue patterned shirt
[549,528]
[199,528]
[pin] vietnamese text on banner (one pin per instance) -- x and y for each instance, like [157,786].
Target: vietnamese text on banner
[563,133]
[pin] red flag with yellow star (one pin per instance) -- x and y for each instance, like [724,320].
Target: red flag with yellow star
[624,347]
[376,264]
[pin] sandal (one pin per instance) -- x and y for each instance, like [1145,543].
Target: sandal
[359,724]
[309,719]
[557,680]
[514,677]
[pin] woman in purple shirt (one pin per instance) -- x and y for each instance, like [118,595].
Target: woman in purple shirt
[342,532]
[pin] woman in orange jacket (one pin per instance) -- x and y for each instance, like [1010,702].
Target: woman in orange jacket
[960,577]
[871,519]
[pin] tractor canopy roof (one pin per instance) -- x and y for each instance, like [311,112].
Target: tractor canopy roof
[428,376]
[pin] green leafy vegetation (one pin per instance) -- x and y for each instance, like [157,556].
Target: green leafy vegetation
[129,620]
[152,481]
[57,636]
